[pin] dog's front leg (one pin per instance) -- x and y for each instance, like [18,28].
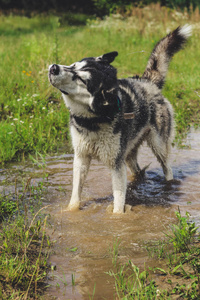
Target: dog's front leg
[119,182]
[80,170]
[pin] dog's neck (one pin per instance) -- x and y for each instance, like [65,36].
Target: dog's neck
[86,111]
[87,105]
[79,107]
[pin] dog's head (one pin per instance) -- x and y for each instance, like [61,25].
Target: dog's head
[91,81]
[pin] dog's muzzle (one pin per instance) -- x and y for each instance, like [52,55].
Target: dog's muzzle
[54,70]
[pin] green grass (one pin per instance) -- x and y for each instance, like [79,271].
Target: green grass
[32,113]
[33,117]
[7,206]
[24,244]
[177,264]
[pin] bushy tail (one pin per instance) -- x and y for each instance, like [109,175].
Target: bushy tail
[163,52]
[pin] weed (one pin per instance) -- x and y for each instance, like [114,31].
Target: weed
[72,249]
[7,206]
[23,260]
[24,248]
[182,234]
[179,256]
[63,279]
[93,294]
[130,283]
[38,160]
[55,53]
[157,248]
[73,279]
[115,251]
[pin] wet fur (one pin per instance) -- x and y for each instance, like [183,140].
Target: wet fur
[100,126]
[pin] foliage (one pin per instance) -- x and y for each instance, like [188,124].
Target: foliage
[24,247]
[179,264]
[45,5]
[183,260]
[23,261]
[99,7]
[130,283]
[105,7]
[7,206]
[182,234]
[181,4]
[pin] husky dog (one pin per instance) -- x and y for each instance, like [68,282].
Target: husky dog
[110,117]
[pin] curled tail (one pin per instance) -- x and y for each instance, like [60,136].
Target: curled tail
[163,52]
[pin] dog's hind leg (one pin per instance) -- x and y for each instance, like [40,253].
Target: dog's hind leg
[161,149]
[119,182]
[80,170]
[132,163]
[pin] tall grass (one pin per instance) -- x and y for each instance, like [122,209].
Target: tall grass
[32,114]
[24,244]
[33,118]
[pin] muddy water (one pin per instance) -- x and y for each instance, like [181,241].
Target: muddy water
[83,239]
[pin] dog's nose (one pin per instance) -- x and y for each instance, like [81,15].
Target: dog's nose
[54,69]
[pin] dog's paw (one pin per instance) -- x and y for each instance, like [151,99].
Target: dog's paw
[118,211]
[72,207]
[128,208]
[111,209]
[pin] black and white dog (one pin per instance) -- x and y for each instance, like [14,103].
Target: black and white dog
[111,117]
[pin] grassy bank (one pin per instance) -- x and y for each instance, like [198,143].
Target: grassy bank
[176,271]
[33,116]
[24,244]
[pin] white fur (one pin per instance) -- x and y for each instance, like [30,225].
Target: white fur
[80,170]
[84,74]
[102,145]
[186,30]
[73,103]
[119,182]
[79,65]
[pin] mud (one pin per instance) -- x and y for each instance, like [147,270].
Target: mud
[83,240]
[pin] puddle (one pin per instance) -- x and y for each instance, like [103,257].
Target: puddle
[83,238]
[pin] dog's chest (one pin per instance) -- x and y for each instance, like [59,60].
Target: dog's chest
[103,145]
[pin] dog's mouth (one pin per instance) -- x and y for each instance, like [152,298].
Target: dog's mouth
[57,75]
[54,71]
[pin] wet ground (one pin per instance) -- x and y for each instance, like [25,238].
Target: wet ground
[84,239]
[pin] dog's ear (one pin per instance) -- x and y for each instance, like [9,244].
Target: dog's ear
[109,57]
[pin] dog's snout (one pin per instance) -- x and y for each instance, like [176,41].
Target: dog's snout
[54,69]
